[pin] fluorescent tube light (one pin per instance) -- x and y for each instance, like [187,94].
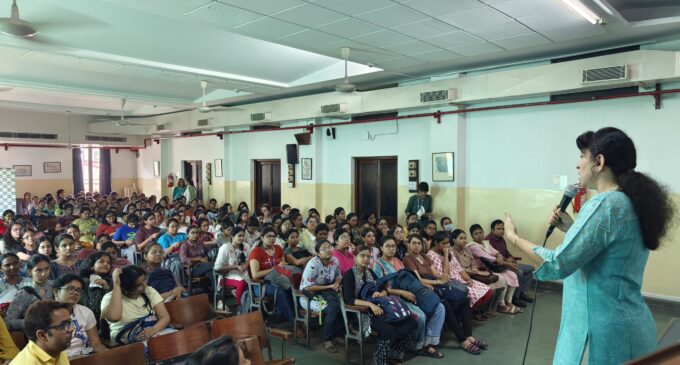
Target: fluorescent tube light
[603,6]
[584,11]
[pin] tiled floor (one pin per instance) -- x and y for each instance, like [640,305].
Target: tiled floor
[506,335]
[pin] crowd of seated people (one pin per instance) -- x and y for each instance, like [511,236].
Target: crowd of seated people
[114,261]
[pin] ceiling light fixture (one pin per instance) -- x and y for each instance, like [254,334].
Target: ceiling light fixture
[604,7]
[584,11]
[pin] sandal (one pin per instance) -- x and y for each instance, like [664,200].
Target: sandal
[425,351]
[472,349]
[481,344]
[330,347]
[508,309]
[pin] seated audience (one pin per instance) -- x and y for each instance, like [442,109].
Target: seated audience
[11,281]
[296,255]
[342,250]
[45,247]
[266,261]
[124,237]
[484,255]
[11,243]
[307,235]
[96,274]
[399,235]
[232,263]
[67,289]
[171,240]
[86,224]
[50,331]
[147,233]
[108,225]
[193,253]
[116,261]
[40,288]
[65,218]
[65,262]
[392,337]
[8,350]
[524,272]
[130,301]
[220,351]
[81,249]
[322,279]
[158,277]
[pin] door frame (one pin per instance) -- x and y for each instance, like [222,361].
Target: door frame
[198,180]
[256,182]
[357,185]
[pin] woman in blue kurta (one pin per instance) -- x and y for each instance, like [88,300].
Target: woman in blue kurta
[603,256]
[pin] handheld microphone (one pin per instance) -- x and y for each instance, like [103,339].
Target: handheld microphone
[569,193]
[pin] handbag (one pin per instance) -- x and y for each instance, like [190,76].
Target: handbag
[452,291]
[492,265]
[129,333]
[280,277]
[490,279]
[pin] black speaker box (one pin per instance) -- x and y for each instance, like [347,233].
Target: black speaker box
[292,154]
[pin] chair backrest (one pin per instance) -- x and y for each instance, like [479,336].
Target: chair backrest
[242,326]
[19,339]
[178,343]
[132,354]
[190,310]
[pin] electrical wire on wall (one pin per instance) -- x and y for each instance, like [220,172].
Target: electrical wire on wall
[372,137]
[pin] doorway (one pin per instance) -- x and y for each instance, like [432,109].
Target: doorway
[194,170]
[268,184]
[376,186]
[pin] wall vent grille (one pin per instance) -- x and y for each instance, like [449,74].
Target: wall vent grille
[611,73]
[24,135]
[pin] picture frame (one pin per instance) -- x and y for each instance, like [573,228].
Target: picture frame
[156,168]
[218,168]
[306,172]
[443,166]
[23,170]
[51,167]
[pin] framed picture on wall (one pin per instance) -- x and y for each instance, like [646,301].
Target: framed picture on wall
[156,168]
[442,166]
[52,167]
[23,170]
[218,168]
[306,168]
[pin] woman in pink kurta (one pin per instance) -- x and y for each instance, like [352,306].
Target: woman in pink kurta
[478,293]
[341,250]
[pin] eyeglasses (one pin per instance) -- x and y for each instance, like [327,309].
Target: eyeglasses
[65,326]
[344,236]
[72,290]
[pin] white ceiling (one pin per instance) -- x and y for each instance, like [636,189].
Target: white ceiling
[90,52]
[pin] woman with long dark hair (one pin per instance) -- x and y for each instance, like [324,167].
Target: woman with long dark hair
[602,259]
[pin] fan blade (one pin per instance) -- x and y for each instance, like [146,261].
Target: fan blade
[17,28]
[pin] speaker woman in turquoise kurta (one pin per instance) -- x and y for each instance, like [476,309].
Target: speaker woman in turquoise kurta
[603,256]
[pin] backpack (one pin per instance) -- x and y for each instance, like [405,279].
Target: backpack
[394,310]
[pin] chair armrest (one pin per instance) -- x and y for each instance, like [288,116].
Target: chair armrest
[222,313]
[281,334]
[356,308]
[109,343]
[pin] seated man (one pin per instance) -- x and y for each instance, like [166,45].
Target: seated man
[524,272]
[49,330]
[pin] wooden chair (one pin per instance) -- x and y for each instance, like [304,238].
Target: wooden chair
[191,310]
[47,224]
[252,324]
[194,281]
[178,343]
[19,339]
[354,334]
[132,354]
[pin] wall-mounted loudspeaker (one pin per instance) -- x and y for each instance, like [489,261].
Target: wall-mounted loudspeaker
[292,154]
[330,133]
[303,138]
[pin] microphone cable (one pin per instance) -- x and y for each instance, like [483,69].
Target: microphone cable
[533,309]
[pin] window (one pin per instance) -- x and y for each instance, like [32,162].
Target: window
[90,158]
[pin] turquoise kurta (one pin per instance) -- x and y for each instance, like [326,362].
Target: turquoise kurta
[602,261]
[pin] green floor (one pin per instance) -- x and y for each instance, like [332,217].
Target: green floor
[506,335]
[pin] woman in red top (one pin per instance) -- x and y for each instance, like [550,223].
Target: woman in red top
[108,225]
[263,260]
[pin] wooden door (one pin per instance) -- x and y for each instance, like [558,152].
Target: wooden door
[194,170]
[376,186]
[268,184]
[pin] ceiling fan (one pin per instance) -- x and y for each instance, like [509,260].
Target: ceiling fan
[345,87]
[14,26]
[204,108]
[122,121]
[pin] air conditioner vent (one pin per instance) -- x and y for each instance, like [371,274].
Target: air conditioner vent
[611,73]
[438,96]
[334,108]
[105,139]
[202,122]
[258,117]
[24,135]
[160,127]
